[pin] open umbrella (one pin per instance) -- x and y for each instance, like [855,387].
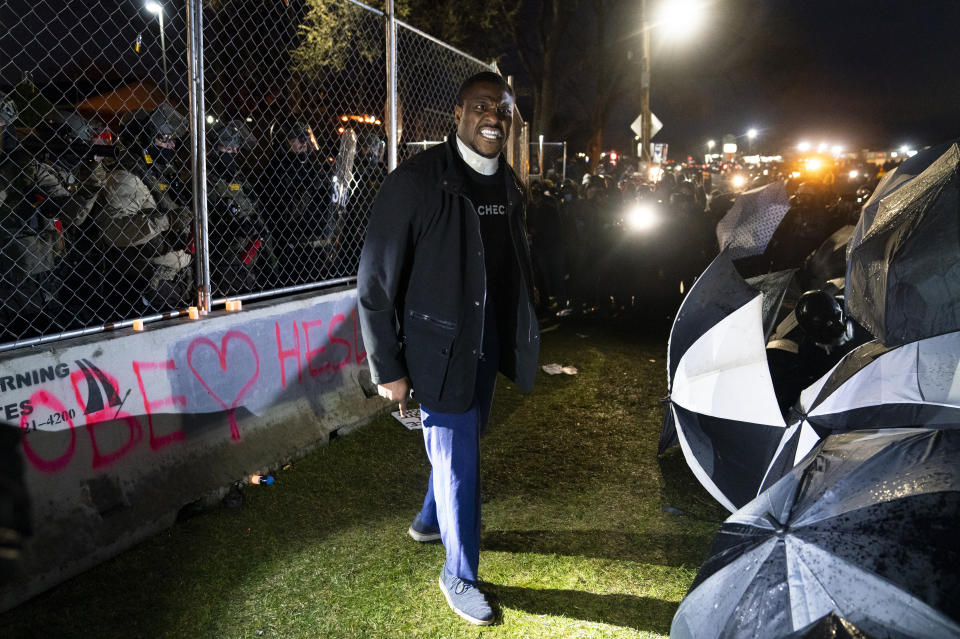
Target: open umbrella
[865,528]
[746,229]
[829,626]
[917,384]
[829,260]
[779,291]
[893,180]
[724,407]
[903,276]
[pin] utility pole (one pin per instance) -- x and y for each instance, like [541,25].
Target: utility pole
[647,122]
[392,127]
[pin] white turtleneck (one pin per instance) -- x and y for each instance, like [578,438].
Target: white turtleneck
[480,164]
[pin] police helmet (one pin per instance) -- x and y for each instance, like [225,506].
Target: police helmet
[142,127]
[370,146]
[61,130]
[820,316]
[294,130]
[226,134]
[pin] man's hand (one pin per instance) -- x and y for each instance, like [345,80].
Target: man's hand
[396,391]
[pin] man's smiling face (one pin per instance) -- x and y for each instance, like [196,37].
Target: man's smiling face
[484,118]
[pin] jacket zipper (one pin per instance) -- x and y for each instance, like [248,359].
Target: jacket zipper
[483,269]
[433,320]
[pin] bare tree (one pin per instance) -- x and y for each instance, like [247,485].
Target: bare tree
[539,34]
[601,64]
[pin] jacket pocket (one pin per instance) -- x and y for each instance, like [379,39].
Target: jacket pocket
[428,345]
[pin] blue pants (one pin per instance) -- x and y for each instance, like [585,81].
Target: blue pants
[452,503]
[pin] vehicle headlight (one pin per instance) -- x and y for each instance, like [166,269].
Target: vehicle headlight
[738,181]
[642,217]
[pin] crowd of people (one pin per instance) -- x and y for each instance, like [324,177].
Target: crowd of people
[618,240]
[96,228]
[610,242]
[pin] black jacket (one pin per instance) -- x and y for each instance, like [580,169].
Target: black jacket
[421,283]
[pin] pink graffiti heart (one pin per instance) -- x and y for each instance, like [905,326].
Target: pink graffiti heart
[222,353]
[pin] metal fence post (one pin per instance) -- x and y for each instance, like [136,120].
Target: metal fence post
[564,178]
[198,152]
[391,51]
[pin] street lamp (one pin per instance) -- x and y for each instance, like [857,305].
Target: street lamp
[157,9]
[710,145]
[751,134]
[675,18]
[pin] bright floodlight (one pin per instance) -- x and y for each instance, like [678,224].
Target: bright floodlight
[904,148]
[642,217]
[154,7]
[803,147]
[680,18]
[711,144]
[752,133]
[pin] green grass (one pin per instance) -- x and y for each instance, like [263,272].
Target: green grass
[576,542]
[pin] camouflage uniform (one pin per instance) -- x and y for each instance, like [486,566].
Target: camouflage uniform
[144,230]
[40,200]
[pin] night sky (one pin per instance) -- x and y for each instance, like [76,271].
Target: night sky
[865,74]
[874,74]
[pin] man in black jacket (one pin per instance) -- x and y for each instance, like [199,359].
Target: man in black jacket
[445,293]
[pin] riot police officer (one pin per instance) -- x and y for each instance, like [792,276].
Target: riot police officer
[296,189]
[240,247]
[144,226]
[48,192]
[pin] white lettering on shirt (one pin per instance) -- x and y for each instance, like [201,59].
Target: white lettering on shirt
[492,209]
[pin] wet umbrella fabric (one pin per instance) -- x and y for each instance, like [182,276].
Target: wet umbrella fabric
[893,180]
[917,384]
[865,529]
[829,261]
[746,229]
[777,289]
[724,407]
[903,276]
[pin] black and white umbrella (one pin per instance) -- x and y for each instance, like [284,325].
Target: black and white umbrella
[903,273]
[746,229]
[865,528]
[829,260]
[893,180]
[724,407]
[917,384]
[829,627]
[779,290]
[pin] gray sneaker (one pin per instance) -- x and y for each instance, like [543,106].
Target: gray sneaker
[422,532]
[465,600]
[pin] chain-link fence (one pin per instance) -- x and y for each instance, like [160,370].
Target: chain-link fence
[548,160]
[428,75]
[104,215]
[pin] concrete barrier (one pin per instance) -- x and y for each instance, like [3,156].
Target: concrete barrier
[122,430]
